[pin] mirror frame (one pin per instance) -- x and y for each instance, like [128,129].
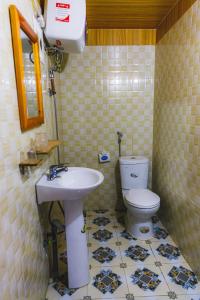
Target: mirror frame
[19,22]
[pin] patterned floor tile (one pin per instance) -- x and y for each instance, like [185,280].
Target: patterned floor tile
[184,277]
[110,226]
[124,237]
[152,298]
[124,260]
[172,295]
[118,228]
[137,253]
[108,255]
[101,211]
[187,297]
[180,279]
[161,235]
[102,236]
[104,254]
[62,289]
[108,283]
[52,294]
[146,281]
[130,297]
[167,253]
[129,251]
[101,221]
[80,293]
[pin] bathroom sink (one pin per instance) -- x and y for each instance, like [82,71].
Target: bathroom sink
[74,184]
[71,187]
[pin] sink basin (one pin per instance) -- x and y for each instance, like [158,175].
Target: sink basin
[71,187]
[74,184]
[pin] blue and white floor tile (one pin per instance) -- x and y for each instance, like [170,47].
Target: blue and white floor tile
[181,279]
[138,253]
[107,283]
[110,226]
[146,281]
[161,235]
[124,268]
[167,253]
[53,294]
[124,237]
[102,236]
[152,298]
[191,297]
[104,255]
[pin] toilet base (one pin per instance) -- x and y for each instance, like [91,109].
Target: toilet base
[141,231]
[139,223]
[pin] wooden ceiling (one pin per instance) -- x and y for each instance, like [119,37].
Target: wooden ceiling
[131,22]
[140,14]
[105,14]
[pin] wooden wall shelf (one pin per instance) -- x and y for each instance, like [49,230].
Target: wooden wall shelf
[23,165]
[47,149]
[28,163]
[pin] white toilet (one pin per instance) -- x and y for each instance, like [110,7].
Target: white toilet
[140,202]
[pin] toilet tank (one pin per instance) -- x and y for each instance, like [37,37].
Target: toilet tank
[134,172]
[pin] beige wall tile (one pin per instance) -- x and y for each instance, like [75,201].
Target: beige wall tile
[23,260]
[176,162]
[103,90]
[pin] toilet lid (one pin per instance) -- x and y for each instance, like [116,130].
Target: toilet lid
[142,198]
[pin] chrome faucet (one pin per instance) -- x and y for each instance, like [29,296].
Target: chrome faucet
[54,170]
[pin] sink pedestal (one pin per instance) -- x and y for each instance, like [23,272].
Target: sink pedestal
[72,187]
[77,251]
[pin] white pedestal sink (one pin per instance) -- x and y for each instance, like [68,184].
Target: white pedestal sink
[71,187]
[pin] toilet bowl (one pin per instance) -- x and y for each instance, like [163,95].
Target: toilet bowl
[141,203]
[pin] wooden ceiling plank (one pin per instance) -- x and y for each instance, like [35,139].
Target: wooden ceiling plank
[138,13]
[102,37]
[175,14]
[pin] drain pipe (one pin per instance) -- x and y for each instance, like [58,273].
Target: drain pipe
[56,227]
[52,93]
[120,135]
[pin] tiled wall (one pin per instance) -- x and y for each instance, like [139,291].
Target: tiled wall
[23,261]
[176,166]
[103,90]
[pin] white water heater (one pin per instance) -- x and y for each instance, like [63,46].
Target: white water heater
[65,24]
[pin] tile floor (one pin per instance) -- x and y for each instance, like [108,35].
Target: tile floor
[122,267]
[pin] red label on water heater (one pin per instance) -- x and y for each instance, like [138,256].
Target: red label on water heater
[63,5]
[62,12]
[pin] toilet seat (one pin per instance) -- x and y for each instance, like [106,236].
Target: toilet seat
[142,198]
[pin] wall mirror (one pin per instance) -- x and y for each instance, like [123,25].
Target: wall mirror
[27,71]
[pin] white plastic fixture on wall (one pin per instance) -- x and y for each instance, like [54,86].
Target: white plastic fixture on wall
[65,24]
